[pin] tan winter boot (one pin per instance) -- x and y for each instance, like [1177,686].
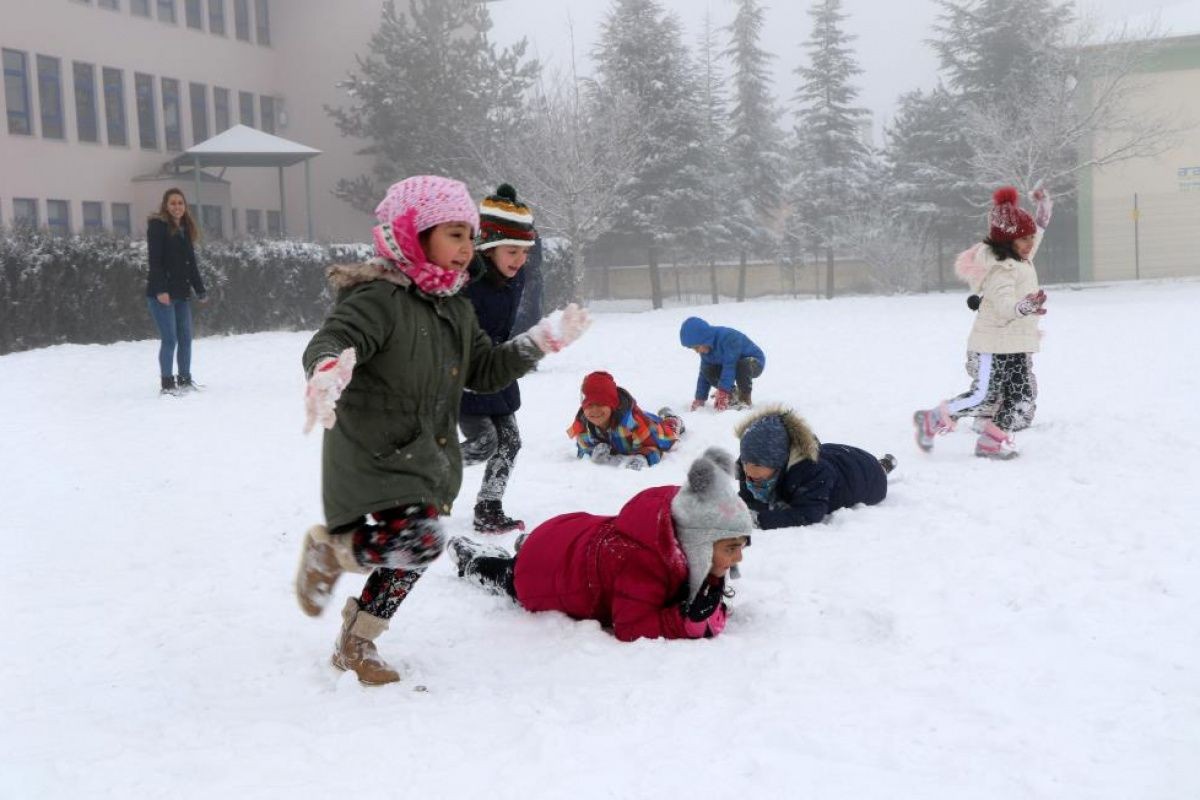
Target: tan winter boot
[355,647]
[323,558]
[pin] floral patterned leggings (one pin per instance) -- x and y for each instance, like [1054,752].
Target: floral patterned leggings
[401,542]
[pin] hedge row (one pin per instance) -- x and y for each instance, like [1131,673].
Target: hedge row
[92,289]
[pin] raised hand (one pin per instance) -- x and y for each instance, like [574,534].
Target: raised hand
[1032,304]
[550,338]
[329,378]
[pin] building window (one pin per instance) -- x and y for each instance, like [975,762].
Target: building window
[86,118]
[58,217]
[246,108]
[216,17]
[140,8]
[122,219]
[193,13]
[93,217]
[172,119]
[241,19]
[262,20]
[268,113]
[147,116]
[25,212]
[50,97]
[166,11]
[220,109]
[253,222]
[233,220]
[198,94]
[274,225]
[114,106]
[16,93]
[210,222]
[113,4]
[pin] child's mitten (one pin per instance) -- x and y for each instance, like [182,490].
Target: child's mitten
[329,377]
[722,401]
[550,338]
[1032,304]
[636,462]
[602,454]
[697,404]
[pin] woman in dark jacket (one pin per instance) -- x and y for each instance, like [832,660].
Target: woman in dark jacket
[489,421]
[788,478]
[170,238]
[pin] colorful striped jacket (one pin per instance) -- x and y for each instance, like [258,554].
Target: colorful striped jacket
[636,432]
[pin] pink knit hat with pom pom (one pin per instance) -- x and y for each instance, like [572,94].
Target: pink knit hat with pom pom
[436,200]
[1007,220]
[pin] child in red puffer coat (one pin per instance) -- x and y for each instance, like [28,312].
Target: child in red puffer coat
[655,570]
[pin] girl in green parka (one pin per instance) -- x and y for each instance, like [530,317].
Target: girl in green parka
[386,372]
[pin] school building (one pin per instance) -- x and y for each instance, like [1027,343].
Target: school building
[1141,218]
[103,96]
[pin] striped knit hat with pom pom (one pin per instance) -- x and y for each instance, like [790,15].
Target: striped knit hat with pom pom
[504,220]
[1007,220]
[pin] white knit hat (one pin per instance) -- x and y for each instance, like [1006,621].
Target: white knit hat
[707,510]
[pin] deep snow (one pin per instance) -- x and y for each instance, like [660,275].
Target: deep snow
[992,630]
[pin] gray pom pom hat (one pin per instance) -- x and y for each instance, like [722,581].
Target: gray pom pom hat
[706,510]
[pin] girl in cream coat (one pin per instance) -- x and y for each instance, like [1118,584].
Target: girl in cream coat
[1005,333]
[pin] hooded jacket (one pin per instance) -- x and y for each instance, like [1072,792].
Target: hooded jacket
[495,300]
[396,441]
[728,346]
[632,431]
[1000,283]
[625,571]
[818,479]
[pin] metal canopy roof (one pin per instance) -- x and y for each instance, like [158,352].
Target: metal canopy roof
[243,146]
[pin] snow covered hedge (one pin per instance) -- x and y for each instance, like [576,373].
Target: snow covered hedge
[91,289]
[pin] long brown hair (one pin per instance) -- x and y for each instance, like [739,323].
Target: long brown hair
[187,223]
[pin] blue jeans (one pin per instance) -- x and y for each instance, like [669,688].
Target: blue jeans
[174,323]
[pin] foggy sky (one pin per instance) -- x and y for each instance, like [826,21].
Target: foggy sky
[890,45]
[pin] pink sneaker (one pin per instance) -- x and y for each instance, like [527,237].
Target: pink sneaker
[929,424]
[995,443]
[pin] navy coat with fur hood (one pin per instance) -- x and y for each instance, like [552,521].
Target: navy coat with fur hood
[496,300]
[818,478]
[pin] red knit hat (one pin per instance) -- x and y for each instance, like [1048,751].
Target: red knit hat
[599,388]
[1007,220]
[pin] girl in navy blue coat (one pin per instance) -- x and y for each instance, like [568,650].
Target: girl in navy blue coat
[788,478]
[728,359]
[489,421]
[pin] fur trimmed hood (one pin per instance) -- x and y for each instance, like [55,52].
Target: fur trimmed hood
[805,445]
[343,276]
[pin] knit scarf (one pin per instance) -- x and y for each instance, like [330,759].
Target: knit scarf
[762,490]
[400,245]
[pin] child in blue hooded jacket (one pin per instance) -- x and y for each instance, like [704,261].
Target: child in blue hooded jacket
[728,359]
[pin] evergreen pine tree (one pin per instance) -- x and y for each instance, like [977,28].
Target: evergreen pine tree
[641,59]
[755,145]
[716,235]
[431,95]
[832,160]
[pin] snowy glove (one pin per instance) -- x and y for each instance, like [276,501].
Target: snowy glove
[551,338]
[329,378]
[699,403]
[722,401]
[636,462]
[1032,304]
[1044,206]
[707,600]
[602,454]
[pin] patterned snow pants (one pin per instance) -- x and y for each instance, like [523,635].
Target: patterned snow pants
[1024,416]
[402,541]
[1003,388]
[496,440]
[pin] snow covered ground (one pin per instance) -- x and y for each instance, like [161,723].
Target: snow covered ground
[992,630]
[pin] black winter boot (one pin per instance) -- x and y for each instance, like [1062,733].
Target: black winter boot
[888,462]
[184,384]
[490,518]
[168,385]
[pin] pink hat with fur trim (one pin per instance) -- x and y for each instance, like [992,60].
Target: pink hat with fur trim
[436,200]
